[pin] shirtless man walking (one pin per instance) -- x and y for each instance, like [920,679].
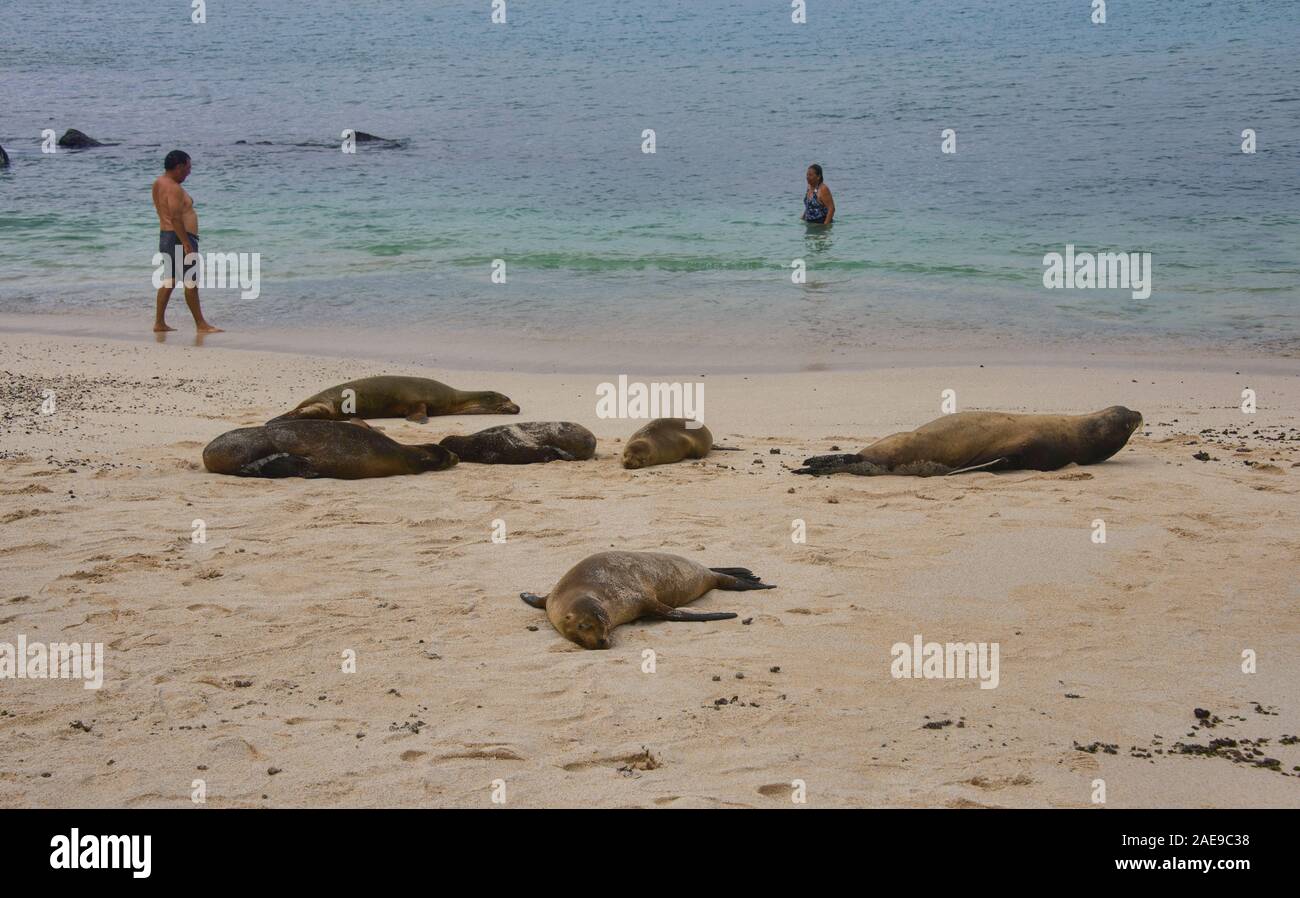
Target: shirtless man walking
[179,226]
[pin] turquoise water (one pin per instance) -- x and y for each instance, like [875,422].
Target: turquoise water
[523,142]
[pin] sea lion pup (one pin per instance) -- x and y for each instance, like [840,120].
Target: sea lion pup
[346,450]
[993,441]
[611,588]
[524,443]
[394,396]
[667,440]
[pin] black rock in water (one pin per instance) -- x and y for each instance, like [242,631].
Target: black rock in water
[4,158]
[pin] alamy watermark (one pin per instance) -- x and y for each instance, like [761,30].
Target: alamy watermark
[652,400]
[922,660]
[211,271]
[1071,270]
[53,661]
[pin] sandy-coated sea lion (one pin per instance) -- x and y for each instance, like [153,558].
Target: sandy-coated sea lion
[667,440]
[524,443]
[611,588]
[992,441]
[395,396]
[345,450]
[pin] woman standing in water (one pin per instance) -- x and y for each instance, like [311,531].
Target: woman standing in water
[818,205]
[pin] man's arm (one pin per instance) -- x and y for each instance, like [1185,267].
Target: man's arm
[829,202]
[176,216]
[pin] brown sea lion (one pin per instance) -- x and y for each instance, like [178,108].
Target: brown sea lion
[993,441]
[394,396]
[611,588]
[341,449]
[524,443]
[667,440]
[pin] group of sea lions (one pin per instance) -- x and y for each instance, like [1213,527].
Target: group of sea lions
[326,436]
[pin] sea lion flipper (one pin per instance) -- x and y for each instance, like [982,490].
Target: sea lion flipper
[828,460]
[534,600]
[310,411]
[558,454]
[420,415]
[822,465]
[281,464]
[976,467]
[680,615]
[727,449]
[668,612]
[739,579]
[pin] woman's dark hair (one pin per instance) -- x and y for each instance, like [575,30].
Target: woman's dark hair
[175,158]
[817,168]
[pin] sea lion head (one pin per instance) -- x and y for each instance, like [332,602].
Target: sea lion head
[637,453]
[587,623]
[488,402]
[433,457]
[1106,432]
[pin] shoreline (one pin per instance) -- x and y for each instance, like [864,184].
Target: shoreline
[485,352]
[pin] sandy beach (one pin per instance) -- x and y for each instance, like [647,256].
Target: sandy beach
[223,660]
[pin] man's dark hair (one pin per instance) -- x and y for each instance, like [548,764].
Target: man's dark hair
[815,167]
[175,158]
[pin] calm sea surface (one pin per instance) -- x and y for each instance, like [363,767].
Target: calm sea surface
[522,142]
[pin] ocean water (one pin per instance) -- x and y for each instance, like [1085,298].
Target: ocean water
[522,142]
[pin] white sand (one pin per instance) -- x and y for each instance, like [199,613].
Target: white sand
[223,660]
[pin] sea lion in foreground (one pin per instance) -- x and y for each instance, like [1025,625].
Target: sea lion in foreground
[394,396]
[524,443]
[994,441]
[667,440]
[340,449]
[611,588]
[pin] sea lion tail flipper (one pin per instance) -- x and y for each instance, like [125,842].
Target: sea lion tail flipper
[739,579]
[827,464]
[534,600]
[742,573]
[821,465]
[420,415]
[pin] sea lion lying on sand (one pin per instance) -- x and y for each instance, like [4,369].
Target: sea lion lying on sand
[611,588]
[524,443]
[667,440]
[994,441]
[394,396]
[341,449]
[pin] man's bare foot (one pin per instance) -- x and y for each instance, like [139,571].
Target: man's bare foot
[160,327]
[208,329]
